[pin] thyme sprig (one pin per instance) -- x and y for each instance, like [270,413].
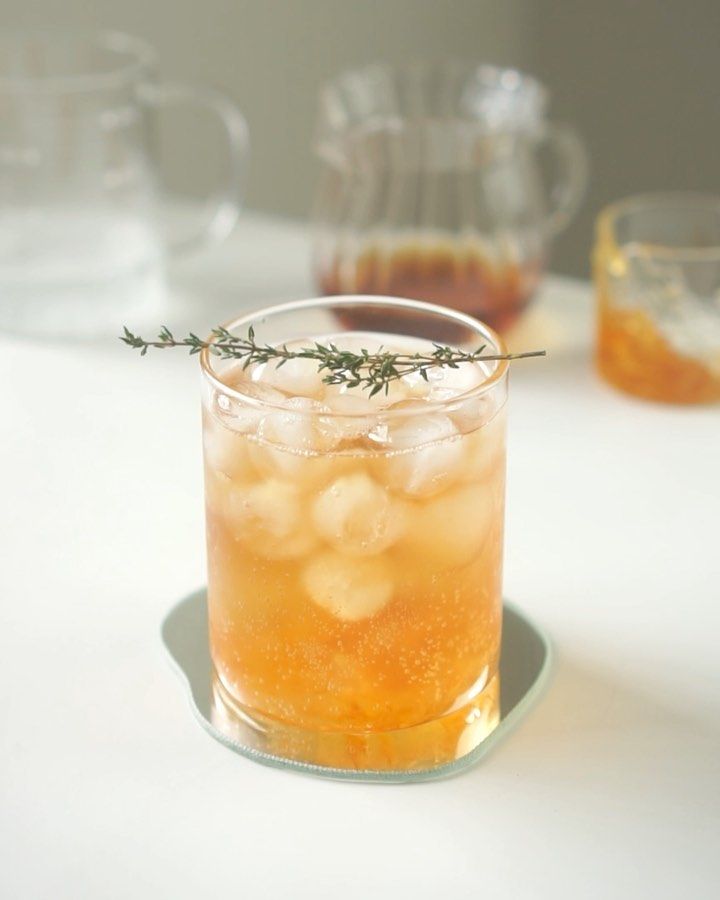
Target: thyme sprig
[369,371]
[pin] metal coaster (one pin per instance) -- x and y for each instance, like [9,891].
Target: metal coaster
[524,666]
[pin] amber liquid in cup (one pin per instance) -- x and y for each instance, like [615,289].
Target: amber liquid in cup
[355,558]
[635,356]
[657,276]
[456,276]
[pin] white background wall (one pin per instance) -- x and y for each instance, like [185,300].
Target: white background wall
[639,78]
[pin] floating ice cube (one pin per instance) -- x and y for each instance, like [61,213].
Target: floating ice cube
[242,415]
[289,441]
[416,386]
[425,457]
[354,341]
[351,418]
[357,516]
[447,382]
[471,414]
[484,449]
[350,589]
[225,450]
[266,394]
[295,427]
[294,377]
[396,392]
[411,386]
[268,518]
[450,530]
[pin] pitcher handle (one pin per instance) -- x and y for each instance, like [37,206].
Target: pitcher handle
[226,206]
[571,174]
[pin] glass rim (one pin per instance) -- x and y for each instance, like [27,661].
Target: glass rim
[141,53]
[484,332]
[610,215]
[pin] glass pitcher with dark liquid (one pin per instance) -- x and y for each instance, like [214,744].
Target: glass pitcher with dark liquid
[441,183]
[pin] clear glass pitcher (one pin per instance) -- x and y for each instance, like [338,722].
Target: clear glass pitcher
[82,238]
[442,183]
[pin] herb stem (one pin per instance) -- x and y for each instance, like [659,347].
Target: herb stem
[369,371]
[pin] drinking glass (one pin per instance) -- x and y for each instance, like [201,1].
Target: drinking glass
[81,249]
[657,274]
[354,546]
[443,183]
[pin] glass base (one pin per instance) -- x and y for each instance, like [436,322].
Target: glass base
[525,663]
[417,748]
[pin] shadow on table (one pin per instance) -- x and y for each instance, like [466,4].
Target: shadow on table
[607,736]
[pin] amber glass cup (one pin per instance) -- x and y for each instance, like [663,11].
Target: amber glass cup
[657,275]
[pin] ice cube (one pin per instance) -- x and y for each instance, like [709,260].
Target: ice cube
[485,449]
[357,516]
[349,588]
[225,450]
[268,518]
[291,442]
[243,415]
[409,386]
[396,391]
[416,386]
[294,377]
[447,382]
[450,530]
[351,418]
[426,454]
[471,414]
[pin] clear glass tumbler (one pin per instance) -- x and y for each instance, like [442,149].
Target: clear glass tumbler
[657,275]
[82,248]
[355,544]
[444,183]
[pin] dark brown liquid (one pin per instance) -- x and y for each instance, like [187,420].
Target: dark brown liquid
[457,278]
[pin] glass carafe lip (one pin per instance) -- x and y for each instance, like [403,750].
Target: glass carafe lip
[343,99]
[139,58]
[484,332]
[609,217]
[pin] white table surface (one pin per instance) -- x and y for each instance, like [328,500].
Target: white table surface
[610,788]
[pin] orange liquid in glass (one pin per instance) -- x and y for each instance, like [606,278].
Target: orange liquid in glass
[355,616]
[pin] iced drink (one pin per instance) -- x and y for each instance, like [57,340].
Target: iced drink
[355,555]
